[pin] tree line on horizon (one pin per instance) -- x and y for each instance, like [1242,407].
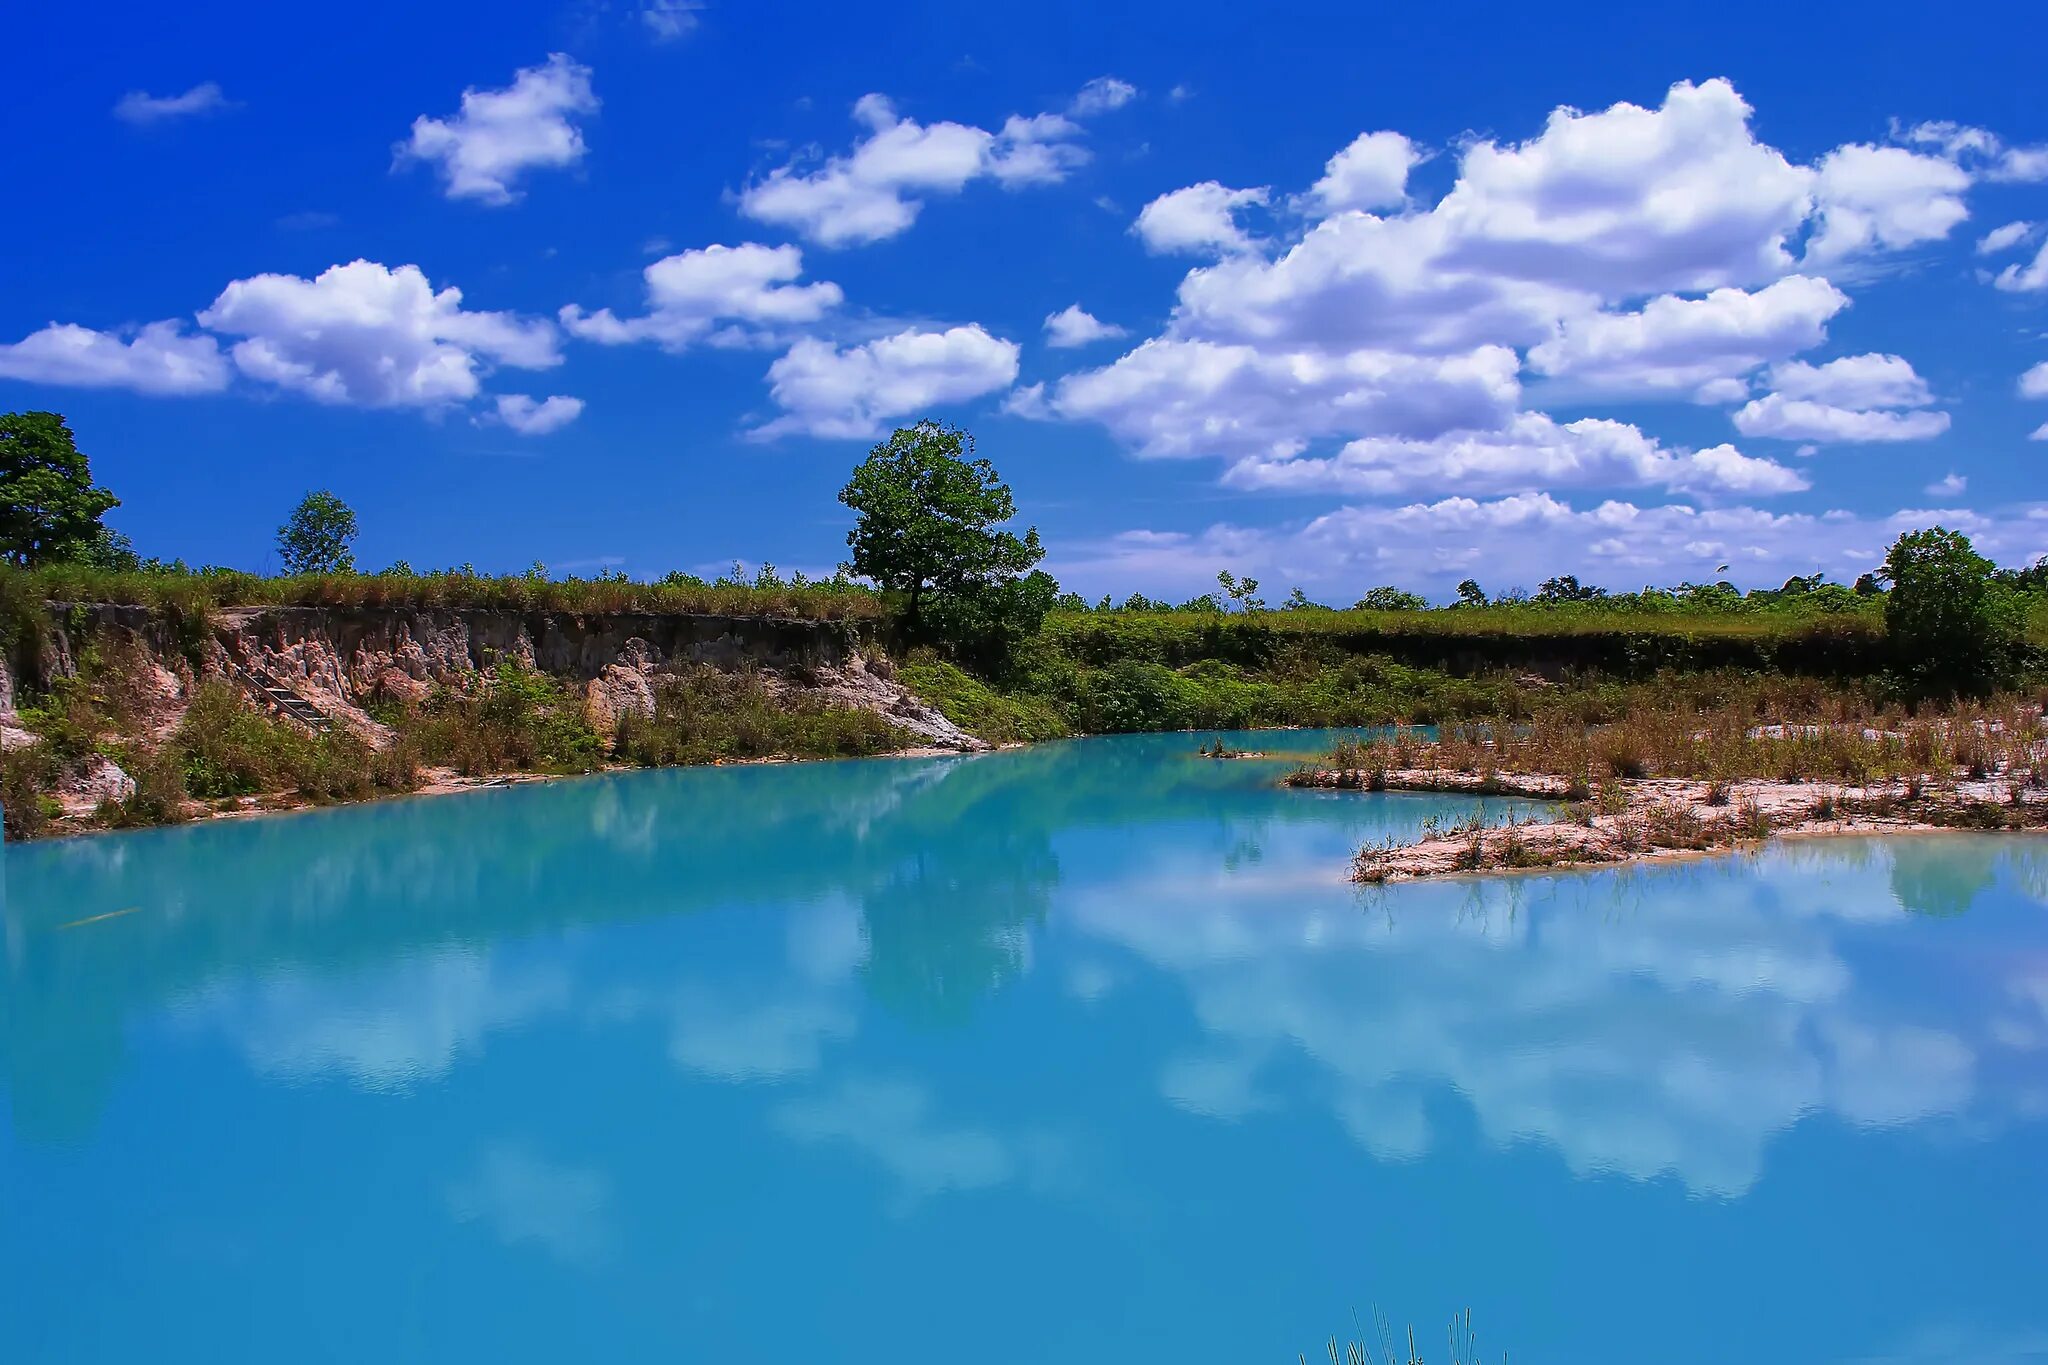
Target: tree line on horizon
[931,533]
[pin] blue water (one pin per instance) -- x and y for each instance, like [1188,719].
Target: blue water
[1072,1054]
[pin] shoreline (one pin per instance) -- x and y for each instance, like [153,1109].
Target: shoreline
[74,823]
[1647,820]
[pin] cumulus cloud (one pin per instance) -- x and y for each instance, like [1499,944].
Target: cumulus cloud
[1795,419]
[1883,198]
[1076,326]
[877,190]
[1953,485]
[2007,237]
[537,417]
[159,358]
[1691,347]
[1532,453]
[1172,397]
[2034,383]
[1200,219]
[1371,173]
[366,334]
[501,135]
[829,391]
[1853,399]
[732,294]
[2025,278]
[1854,381]
[1528,537]
[1102,95]
[140,107]
[1986,154]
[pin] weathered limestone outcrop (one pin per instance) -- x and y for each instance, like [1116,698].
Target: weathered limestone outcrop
[341,660]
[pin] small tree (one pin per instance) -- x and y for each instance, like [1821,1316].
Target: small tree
[319,536]
[928,518]
[50,509]
[1567,588]
[1470,594]
[1390,599]
[1953,627]
[1242,591]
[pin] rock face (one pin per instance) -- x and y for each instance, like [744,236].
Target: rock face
[342,659]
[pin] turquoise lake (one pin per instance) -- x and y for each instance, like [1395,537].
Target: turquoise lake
[1079,1053]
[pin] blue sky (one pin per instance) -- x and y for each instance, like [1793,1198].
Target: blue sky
[1361,297]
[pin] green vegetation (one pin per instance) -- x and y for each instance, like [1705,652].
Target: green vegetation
[707,716]
[1721,728]
[1958,628]
[927,519]
[172,589]
[51,509]
[986,637]
[319,536]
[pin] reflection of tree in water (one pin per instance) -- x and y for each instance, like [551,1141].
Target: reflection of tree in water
[1943,874]
[952,924]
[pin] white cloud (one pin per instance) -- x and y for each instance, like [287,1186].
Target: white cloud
[1871,198]
[1843,400]
[849,393]
[2034,383]
[364,333]
[1525,538]
[1854,381]
[1797,419]
[1076,326]
[1630,200]
[531,417]
[1985,153]
[2039,433]
[2026,278]
[1194,398]
[1200,218]
[140,107]
[1532,453]
[500,135]
[158,359]
[736,294]
[1371,173]
[2007,237]
[668,20]
[877,190]
[1690,347]
[1952,485]
[1102,95]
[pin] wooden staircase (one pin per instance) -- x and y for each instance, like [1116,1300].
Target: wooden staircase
[267,688]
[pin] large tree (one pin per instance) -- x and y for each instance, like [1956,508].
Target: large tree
[50,509]
[929,518]
[319,536]
[1952,625]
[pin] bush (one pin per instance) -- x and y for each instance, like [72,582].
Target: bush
[512,718]
[705,716]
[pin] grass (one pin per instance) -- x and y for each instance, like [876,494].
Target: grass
[705,716]
[977,707]
[1723,730]
[223,750]
[177,593]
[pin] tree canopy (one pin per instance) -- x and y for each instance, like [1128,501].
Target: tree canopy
[50,509]
[1953,625]
[929,518]
[319,536]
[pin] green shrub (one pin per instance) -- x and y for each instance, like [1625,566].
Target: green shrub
[707,716]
